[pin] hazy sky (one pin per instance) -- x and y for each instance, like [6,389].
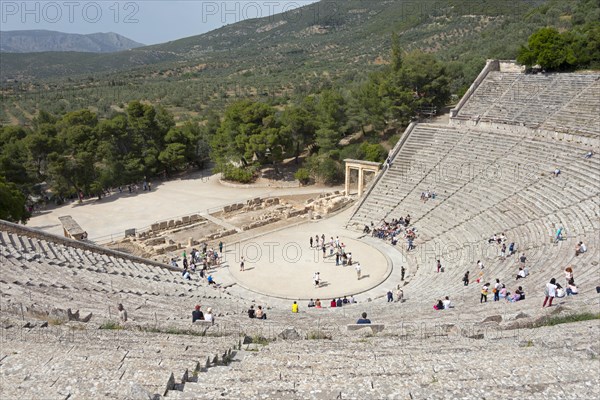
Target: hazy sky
[147,21]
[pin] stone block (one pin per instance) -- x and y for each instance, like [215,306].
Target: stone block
[33,311]
[195,218]
[72,316]
[155,241]
[522,315]
[185,220]
[164,225]
[170,247]
[375,328]
[155,227]
[493,318]
[289,334]
[203,324]
[59,314]
[138,392]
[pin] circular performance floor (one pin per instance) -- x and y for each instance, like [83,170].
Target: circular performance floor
[282,264]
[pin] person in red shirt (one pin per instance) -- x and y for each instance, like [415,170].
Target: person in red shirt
[333,303]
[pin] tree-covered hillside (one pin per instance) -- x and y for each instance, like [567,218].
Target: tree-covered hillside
[299,52]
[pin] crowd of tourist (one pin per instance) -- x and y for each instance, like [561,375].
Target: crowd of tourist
[394,230]
[209,257]
[200,262]
[333,248]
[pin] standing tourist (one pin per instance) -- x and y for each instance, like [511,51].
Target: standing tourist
[550,292]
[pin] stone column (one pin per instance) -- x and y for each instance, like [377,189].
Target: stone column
[360,181]
[347,184]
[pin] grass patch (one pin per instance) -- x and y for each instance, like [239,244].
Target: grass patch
[78,327]
[179,331]
[111,325]
[263,341]
[567,319]
[174,331]
[317,335]
[55,321]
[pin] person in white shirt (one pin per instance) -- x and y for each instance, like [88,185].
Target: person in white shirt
[399,294]
[580,248]
[447,303]
[571,288]
[208,316]
[358,270]
[316,279]
[497,287]
[550,292]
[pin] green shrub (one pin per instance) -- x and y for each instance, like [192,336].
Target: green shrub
[303,175]
[566,319]
[325,169]
[111,325]
[257,339]
[372,152]
[351,151]
[330,171]
[237,174]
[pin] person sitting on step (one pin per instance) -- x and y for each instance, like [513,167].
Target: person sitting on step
[197,315]
[363,319]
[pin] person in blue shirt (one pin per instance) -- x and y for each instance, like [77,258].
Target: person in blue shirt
[364,319]
[558,235]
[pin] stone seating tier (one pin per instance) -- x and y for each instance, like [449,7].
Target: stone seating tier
[556,102]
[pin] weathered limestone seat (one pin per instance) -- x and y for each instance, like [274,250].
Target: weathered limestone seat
[204,324]
[375,328]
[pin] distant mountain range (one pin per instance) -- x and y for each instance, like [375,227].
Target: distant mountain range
[37,41]
[326,38]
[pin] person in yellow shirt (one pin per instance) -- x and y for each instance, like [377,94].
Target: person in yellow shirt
[295,307]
